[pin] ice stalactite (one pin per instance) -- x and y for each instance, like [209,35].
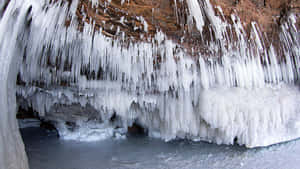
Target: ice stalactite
[196,13]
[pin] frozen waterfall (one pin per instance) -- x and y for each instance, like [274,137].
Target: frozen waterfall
[239,91]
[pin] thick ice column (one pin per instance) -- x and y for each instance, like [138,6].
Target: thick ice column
[12,153]
[196,12]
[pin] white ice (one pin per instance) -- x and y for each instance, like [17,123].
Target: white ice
[245,94]
[173,98]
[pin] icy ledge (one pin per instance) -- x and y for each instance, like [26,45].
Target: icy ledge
[250,117]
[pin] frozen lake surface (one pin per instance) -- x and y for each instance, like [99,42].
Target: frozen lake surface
[46,151]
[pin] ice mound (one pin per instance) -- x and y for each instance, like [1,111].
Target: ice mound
[89,131]
[26,123]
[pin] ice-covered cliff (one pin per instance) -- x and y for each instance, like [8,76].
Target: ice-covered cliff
[95,73]
[12,153]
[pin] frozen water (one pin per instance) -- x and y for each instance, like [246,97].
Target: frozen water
[241,90]
[222,115]
[46,151]
[90,132]
[25,123]
[247,94]
[12,154]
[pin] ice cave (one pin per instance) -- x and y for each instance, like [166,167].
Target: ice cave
[220,71]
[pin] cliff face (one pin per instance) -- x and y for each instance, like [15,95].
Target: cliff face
[141,19]
[268,14]
[172,17]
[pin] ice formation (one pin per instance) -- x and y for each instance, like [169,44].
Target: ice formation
[240,91]
[12,153]
[26,123]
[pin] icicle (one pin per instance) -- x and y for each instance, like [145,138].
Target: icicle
[196,13]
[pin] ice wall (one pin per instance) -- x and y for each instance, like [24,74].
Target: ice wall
[239,91]
[226,95]
[12,154]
